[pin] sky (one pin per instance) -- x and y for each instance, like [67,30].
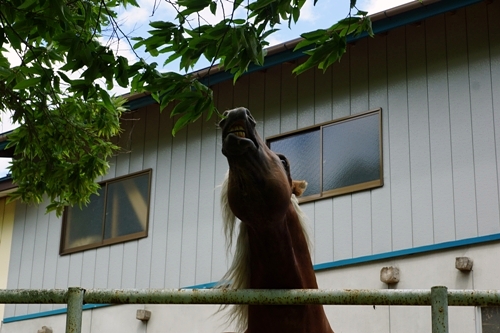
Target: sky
[135,22]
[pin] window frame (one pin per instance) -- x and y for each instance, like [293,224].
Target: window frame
[346,189]
[113,240]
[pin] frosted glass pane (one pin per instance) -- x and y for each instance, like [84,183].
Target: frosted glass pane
[303,152]
[351,152]
[127,206]
[84,226]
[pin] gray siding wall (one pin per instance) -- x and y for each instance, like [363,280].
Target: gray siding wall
[438,83]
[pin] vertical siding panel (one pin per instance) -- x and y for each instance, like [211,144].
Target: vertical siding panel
[358,58]
[191,197]
[161,198]
[27,257]
[7,218]
[361,224]
[305,98]
[101,267]
[494,43]
[16,255]
[256,100]
[272,101]
[224,98]
[240,93]
[381,197]
[40,253]
[116,271]
[323,231]
[62,274]
[485,167]
[17,246]
[130,261]
[136,162]
[418,113]
[207,200]
[288,95]
[361,202]
[176,210]
[439,129]
[461,128]
[323,107]
[122,165]
[88,268]
[75,270]
[51,255]
[341,89]
[144,245]
[342,228]
[399,140]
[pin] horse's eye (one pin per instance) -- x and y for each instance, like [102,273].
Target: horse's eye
[284,161]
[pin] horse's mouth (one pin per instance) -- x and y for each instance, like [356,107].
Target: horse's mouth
[237,130]
[237,141]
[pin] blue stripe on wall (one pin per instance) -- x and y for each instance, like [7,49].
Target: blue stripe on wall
[318,267]
[50,313]
[415,250]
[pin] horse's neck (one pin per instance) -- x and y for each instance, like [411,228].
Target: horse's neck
[279,255]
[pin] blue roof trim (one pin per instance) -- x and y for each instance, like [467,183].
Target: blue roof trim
[140,102]
[380,26]
[319,267]
[3,145]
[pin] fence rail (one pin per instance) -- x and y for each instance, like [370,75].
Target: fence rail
[439,298]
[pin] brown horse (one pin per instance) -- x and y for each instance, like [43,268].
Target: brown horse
[272,249]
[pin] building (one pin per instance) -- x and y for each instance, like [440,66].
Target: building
[432,75]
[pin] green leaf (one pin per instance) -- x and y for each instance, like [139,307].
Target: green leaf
[259,4]
[213,7]
[296,14]
[313,35]
[27,3]
[27,83]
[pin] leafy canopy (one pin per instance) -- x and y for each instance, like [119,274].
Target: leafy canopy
[58,86]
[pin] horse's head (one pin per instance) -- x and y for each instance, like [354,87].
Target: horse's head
[260,185]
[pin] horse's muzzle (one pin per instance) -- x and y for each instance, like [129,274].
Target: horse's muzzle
[235,145]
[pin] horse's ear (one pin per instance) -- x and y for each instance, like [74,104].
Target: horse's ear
[298,187]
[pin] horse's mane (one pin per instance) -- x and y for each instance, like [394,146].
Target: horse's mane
[238,274]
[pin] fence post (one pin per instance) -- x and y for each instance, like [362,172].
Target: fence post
[74,315]
[439,309]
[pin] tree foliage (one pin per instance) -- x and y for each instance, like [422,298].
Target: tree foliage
[58,91]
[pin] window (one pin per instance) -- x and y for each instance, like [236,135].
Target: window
[341,156]
[118,214]
[490,317]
